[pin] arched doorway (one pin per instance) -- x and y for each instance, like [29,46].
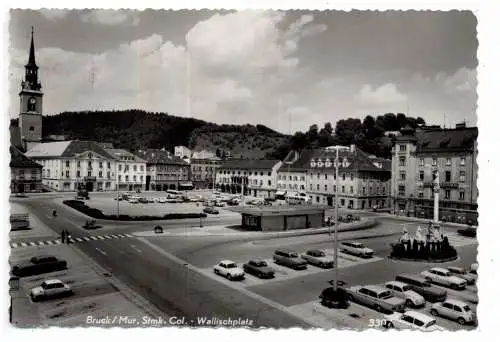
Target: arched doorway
[165,187]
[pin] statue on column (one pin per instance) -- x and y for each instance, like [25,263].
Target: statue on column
[419,236]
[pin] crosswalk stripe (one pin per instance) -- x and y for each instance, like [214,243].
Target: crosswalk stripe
[100,237]
[50,242]
[42,243]
[128,235]
[14,245]
[31,243]
[86,238]
[93,238]
[112,236]
[78,239]
[57,242]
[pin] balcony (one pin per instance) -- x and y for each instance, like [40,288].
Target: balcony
[443,185]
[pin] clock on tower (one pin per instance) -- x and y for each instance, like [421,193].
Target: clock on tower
[30,114]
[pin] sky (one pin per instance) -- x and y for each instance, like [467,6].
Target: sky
[287,70]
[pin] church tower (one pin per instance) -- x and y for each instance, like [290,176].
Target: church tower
[30,114]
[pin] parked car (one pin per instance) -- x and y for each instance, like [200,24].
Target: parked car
[319,258]
[143,200]
[229,269]
[469,232]
[289,258]
[376,297]
[454,309]
[210,210]
[258,268]
[462,273]
[133,200]
[332,299]
[405,292]
[473,268]
[444,277]
[219,204]
[423,287]
[50,288]
[412,320]
[356,248]
[162,200]
[39,265]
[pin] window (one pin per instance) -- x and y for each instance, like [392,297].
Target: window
[262,173]
[462,176]
[402,161]
[260,182]
[134,177]
[351,189]
[343,189]
[402,148]
[269,183]
[317,187]
[141,178]
[448,161]
[78,174]
[326,176]
[302,187]
[421,175]
[383,190]
[343,176]
[364,190]
[434,161]
[67,163]
[269,174]
[342,202]
[310,186]
[126,178]
[142,168]
[401,190]
[402,175]
[422,163]
[447,194]
[447,306]
[108,175]
[352,176]
[89,164]
[100,174]
[89,173]
[302,178]
[67,174]
[78,164]
[447,175]
[334,188]
[318,176]
[462,161]
[326,187]
[294,178]
[126,167]
[100,164]
[420,194]
[461,195]
[109,165]
[135,168]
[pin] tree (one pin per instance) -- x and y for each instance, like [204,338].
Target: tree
[420,121]
[218,152]
[328,128]
[312,134]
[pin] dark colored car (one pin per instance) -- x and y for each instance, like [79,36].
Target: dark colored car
[423,287]
[334,299]
[258,268]
[210,210]
[469,232]
[289,258]
[39,265]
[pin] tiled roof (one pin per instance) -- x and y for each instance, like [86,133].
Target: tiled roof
[118,152]
[249,164]
[435,140]
[357,160]
[157,156]
[18,159]
[67,149]
[294,163]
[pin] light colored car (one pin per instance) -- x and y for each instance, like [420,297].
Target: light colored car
[379,298]
[319,258]
[404,291]
[133,200]
[356,248]
[474,267]
[444,277]
[462,273]
[412,320]
[454,309]
[162,200]
[50,288]
[229,269]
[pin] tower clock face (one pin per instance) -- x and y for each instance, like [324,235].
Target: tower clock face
[32,101]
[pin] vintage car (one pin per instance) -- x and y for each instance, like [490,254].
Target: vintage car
[462,273]
[39,265]
[376,297]
[229,269]
[405,292]
[412,320]
[454,309]
[289,258]
[50,288]
[444,277]
[258,268]
[356,248]
[317,257]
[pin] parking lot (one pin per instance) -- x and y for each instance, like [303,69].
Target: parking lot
[92,295]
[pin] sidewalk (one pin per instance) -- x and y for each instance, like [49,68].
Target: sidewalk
[225,231]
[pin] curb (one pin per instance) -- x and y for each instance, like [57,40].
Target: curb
[437,261]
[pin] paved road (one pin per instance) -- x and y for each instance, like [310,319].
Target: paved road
[170,286]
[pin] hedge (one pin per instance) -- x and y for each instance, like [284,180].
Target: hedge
[98,214]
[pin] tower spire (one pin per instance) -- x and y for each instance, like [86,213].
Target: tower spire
[31,69]
[31,61]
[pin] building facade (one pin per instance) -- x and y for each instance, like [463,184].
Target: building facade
[165,171]
[364,180]
[256,178]
[182,152]
[31,103]
[293,173]
[130,170]
[452,154]
[203,172]
[26,175]
[75,164]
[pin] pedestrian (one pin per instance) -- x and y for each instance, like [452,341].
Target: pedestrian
[68,237]
[63,235]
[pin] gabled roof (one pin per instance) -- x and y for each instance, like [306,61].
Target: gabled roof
[297,161]
[249,164]
[18,159]
[357,160]
[68,149]
[119,152]
[157,156]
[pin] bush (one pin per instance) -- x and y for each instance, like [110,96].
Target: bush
[96,213]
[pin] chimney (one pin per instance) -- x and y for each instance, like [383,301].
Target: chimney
[352,148]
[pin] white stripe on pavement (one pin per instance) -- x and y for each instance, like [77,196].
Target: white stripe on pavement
[78,239]
[100,237]
[14,245]
[31,243]
[93,238]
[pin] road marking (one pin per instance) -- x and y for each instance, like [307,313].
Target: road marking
[128,235]
[86,238]
[24,244]
[14,245]
[250,294]
[101,251]
[100,237]
[93,238]
[57,242]
[78,239]
[31,243]
[135,248]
